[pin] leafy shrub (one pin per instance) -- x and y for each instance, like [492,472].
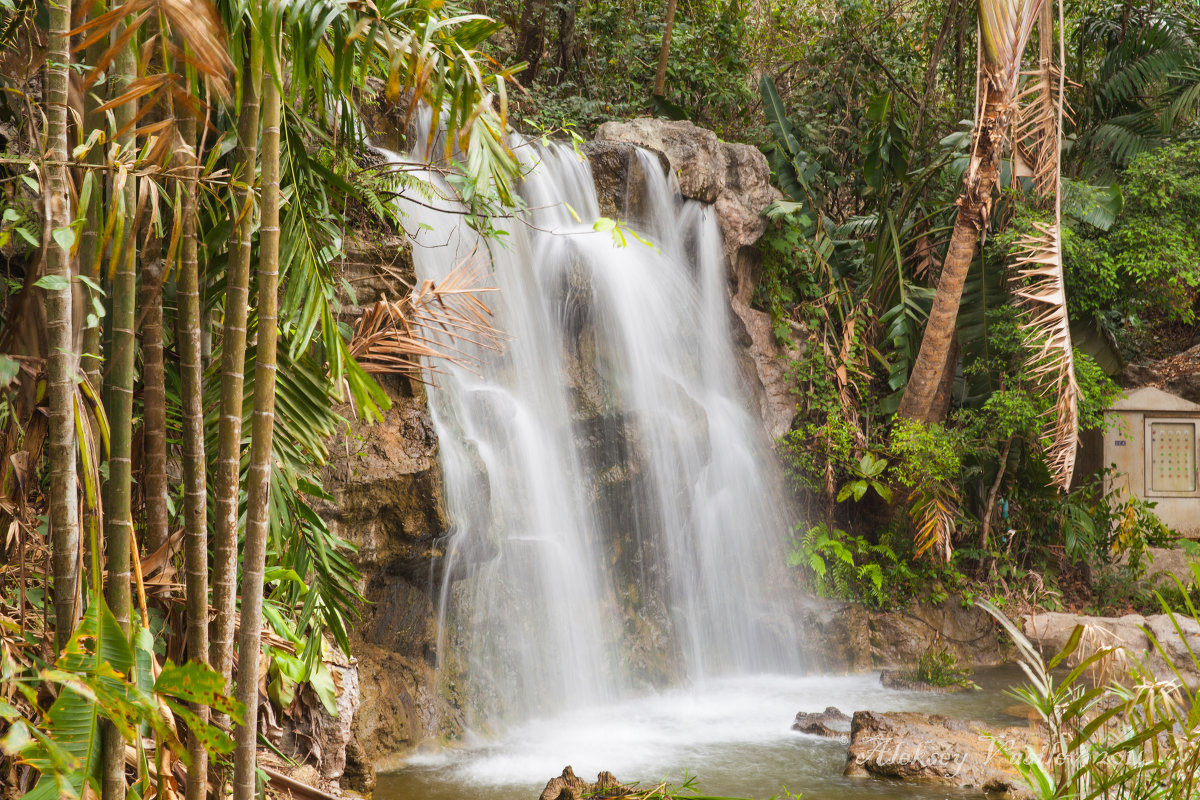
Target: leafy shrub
[937,666]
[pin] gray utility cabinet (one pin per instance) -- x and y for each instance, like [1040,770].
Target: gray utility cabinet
[1154,441]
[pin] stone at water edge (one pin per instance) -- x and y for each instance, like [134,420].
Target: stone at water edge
[831,723]
[569,787]
[930,748]
[1051,631]
[896,679]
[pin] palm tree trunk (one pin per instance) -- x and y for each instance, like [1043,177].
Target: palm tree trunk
[974,202]
[233,356]
[195,509]
[61,366]
[259,480]
[118,404]
[89,237]
[154,404]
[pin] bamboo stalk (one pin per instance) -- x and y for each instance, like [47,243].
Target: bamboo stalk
[226,488]
[195,510]
[118,404]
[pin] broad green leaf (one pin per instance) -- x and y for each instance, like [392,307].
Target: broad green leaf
[322,683]
[9,368]
[52,283]
[198,683]
[64,237]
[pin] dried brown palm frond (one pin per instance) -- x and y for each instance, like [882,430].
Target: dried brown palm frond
[932,514]
[192,36]
[1038,284]
[404,336]
[1036,126]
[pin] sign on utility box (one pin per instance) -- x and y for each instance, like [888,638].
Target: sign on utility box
[1153,442]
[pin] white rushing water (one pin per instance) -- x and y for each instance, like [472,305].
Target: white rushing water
[731,734]
[616,523]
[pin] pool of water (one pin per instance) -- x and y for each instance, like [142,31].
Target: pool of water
[733,735]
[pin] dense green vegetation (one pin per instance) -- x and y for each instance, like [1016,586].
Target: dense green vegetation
[866,111]
[178,183]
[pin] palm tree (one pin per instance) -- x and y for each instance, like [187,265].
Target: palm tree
[259,483]
[1005,27]
[118,400]
[61,364]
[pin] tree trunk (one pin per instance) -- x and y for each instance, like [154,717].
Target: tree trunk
[931,96]
[60,362]
[566,38]
[660,77]
[154,404]
[118,404]
[233,356]
[531,37]
[974,202]
[259,480]
[195,510]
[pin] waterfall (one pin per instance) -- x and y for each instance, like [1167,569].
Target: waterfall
[616,519]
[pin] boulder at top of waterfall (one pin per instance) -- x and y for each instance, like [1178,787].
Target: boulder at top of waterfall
[831,723]
[569,787]
[930,748]
[736,180]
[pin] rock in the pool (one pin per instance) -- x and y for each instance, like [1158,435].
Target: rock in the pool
[831,723]
[930,748]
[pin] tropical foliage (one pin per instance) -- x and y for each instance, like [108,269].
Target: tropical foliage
[178,184]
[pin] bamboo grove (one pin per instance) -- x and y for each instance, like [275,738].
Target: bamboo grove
[176,183]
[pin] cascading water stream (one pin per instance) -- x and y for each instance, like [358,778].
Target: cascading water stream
[616,519]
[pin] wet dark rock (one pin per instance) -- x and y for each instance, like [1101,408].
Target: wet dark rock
[930,748]
[831,723]
[569,787]
[619,176]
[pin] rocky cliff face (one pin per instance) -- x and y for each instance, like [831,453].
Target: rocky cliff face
[386,485]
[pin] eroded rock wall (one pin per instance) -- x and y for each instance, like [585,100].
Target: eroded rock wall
[387,490]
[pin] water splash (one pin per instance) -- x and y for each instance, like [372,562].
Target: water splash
[616,521]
